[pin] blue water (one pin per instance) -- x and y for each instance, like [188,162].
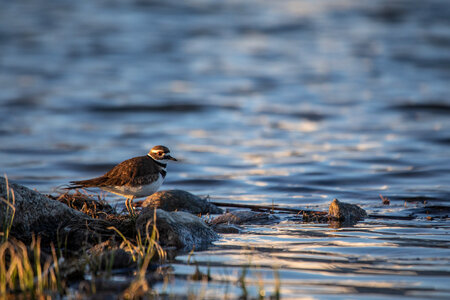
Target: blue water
[286,102]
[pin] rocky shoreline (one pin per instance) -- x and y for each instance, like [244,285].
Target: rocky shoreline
[95,238]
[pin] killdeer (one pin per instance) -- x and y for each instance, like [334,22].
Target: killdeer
[133,178]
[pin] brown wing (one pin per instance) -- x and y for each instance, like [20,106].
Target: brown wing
[135,171]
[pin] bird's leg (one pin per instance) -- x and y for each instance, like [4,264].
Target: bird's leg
[130,203]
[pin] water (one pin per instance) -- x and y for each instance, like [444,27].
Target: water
[286,102]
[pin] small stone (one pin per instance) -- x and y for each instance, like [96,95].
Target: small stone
[179,200]
[346,212]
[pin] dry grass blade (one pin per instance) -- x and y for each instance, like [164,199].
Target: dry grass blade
[8,217]
[20,273]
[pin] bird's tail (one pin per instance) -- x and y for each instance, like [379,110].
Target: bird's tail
[73,185]
[86,183]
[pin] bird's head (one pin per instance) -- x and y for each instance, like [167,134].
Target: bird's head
[161,154]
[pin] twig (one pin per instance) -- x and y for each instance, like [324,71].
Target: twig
[410,217]
[268,207]
[294,210]
[301,211]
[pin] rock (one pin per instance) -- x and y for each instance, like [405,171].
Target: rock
[112,259]
[247,217]
[226,228]
[108,255]
[346,212]
[35,213]
[178,200]
[38,215]
[180,229]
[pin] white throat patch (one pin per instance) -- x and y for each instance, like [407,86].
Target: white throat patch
[164,161]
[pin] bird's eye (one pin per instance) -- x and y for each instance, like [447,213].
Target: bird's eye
[160,153]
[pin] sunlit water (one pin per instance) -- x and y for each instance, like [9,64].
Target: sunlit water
[286,102]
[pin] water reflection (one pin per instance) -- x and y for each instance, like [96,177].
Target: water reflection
[286,102]
[372,257]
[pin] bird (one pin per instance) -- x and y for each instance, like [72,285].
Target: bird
[133,178]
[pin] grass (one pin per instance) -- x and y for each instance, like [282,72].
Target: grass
[262,293]
[143,251]
[8,216]
[246,282]
[85,202]
[20,273]
[21,267]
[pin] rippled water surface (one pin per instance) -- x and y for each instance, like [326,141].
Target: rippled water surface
[286,102]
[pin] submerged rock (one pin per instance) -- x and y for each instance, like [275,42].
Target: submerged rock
[226,228]
[346,212]
[247,217]
[179,200]
[180,229]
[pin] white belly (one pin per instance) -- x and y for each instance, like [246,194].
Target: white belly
[136,191]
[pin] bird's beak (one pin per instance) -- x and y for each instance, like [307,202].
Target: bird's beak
[170,157]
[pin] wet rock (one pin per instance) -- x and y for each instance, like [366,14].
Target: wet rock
[430,212]
[108,255]
[347,212]
[247,217]
[226,228]
[180,229]
[435,210]
[72,269]
[35,213]
[178,200]
[38,215]
[114,259]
